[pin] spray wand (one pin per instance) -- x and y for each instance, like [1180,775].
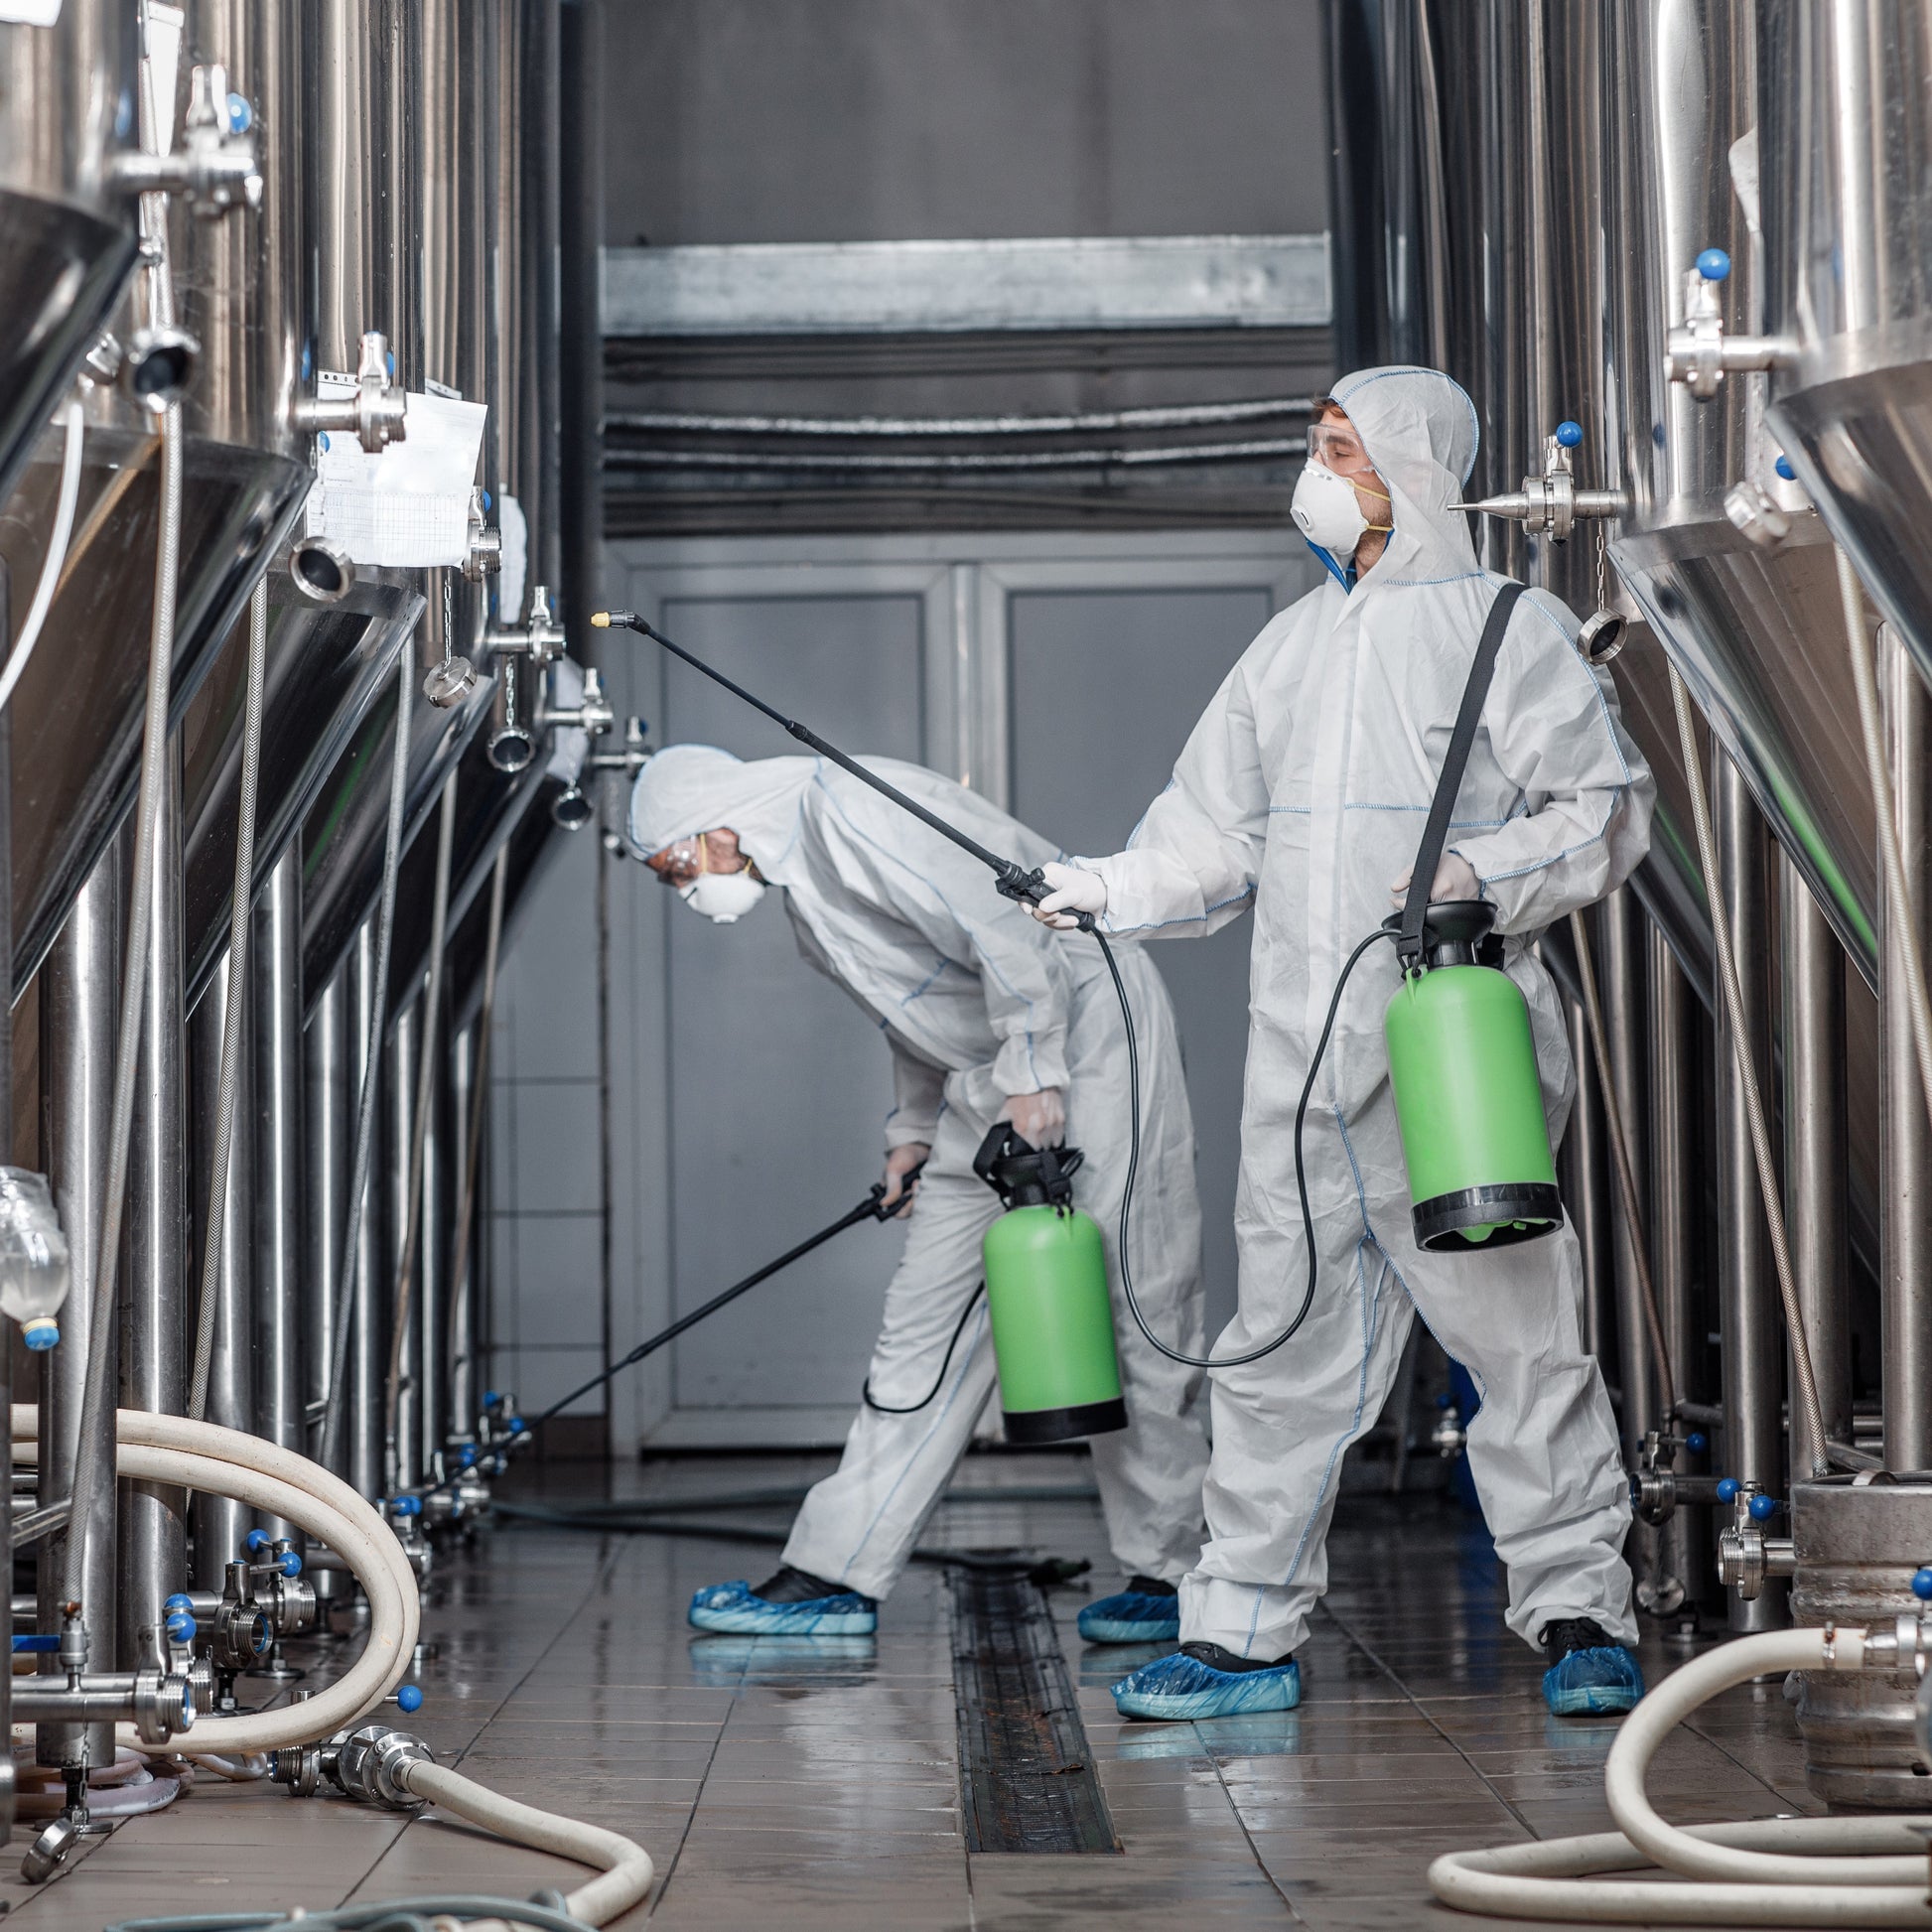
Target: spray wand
[1017,881]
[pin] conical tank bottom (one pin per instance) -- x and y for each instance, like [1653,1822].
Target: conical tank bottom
[1760,639]
[1862,439]
[62,270]
[347,829]
[77,714]
[326,664]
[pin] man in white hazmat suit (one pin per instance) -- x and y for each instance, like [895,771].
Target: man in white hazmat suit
[1303,792]
[988,1017]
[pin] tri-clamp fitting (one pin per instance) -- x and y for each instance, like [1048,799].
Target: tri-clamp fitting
[370,1764]
[513,742]
[157,1701]
[216,166]
[1657,1490]
[1746,1557]
[485,555]
[1550,504]
[376,415]
[1700,353]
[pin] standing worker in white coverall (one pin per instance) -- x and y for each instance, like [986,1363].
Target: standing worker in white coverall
[988,1019]
[1303,791]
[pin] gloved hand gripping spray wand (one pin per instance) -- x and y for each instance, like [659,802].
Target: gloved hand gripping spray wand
[1030,1193]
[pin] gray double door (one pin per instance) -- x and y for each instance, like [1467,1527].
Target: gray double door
[1061,680]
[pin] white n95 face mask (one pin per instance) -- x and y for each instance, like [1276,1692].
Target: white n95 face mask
[723,897]
[1325,510]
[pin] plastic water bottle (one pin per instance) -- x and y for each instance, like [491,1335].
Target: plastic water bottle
[34,1265]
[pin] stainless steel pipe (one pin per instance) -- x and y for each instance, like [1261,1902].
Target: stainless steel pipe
[365,1271]
[278,1121]
[78,1002]
[1750,1322]
[1812,969]
[1621,924]
[1905,1137]
[1586,1189]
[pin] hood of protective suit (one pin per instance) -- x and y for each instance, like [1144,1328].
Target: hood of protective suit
[690,788]
[1419,429]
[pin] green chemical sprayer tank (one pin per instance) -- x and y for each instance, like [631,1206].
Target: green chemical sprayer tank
[1046,1296]
[1467,1094]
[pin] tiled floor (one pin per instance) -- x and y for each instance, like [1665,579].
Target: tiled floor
[781,1787]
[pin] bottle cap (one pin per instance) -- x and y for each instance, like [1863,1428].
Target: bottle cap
[41,1331]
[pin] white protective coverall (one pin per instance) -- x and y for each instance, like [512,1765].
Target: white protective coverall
[1302,791]
[978,1003]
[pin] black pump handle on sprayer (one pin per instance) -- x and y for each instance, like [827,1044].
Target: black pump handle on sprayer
[1018,881]
[874,1207]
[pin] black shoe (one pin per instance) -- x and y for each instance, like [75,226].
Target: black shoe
[791,1586]
[1152,1586]
[1215,1658]
[1570,1633]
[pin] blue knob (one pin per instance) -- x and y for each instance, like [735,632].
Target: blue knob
[1763,1508]
[465,1457]
[409,1698]
[491,1398]
[291,1563]
[1569,435]
[181,1625]
[485,499]
[1784,468]
[407,1505]
[519,1424]
[308,361]
[391,359]
[1697,1442]
[1714,264]
[1922,1585]
[241,118]
[36,1643]
[179,1601]
[1728,1489]
[256,1541]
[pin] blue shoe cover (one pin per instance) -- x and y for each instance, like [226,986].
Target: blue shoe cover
[1593,1683]
[733,1609]
[1180,1687]
[1132,1616]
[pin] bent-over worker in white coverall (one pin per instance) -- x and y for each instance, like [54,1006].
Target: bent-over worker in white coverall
[1301,793]
[988,1017]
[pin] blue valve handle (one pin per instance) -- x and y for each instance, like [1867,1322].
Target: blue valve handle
[1569,435]
[1922,1586]
[256,1541]
[1714,266]
[1763,1508]
[1728,1489]
[35,1643]
[181,1625]
[409,1697]
[291,1563]
[1784,468]
[405,1505]
[1697,1442]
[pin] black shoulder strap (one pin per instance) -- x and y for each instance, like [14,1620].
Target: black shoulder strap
[1429,856]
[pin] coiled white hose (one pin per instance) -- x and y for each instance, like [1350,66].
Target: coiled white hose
[278,1482]
[626,1866]
[56,553]
[1801,1872]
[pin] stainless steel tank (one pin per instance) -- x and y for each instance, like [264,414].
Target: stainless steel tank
[68,238]
[1856,1542]
[1846,153]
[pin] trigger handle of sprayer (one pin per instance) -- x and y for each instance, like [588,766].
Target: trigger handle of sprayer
[884,1209]
[1017,881]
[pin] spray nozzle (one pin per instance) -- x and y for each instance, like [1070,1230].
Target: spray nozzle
[1024,1176]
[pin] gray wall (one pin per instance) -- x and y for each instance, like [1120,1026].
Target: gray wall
[891,120]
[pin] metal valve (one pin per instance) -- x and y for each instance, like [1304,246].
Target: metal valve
[374,415]
[216,166]
[1700,353]
[1746,1557]
[485,556]
[1550,504]
[513,744]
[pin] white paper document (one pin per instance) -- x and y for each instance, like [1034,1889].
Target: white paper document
[407,508]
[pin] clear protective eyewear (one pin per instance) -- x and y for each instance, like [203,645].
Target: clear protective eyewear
[679,863]
[1337,447]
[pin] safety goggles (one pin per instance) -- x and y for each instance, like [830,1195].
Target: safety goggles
[679,863]
[1337,447]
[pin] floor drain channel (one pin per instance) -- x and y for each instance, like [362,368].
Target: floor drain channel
[1027,1781]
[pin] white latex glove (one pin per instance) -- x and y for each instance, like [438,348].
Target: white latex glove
[899,1162]
[1456,877]
[1075,890]
[1041,1118]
